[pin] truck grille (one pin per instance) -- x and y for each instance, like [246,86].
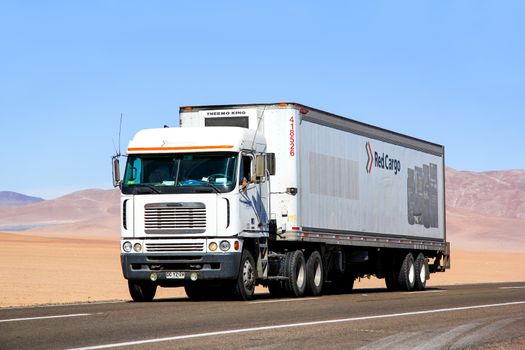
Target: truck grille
[165,247]
[174,218]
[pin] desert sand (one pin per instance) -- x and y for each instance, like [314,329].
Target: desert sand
[49,270]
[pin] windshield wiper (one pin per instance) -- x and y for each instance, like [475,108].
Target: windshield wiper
[152,188]
[212,186]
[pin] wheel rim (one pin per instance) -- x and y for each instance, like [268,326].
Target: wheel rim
[317,275]
[411,274]
[300,275]
[422,274]
[248,276]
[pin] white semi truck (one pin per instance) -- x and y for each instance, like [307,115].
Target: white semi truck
[280,195]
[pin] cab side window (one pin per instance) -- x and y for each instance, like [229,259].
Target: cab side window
[246,168]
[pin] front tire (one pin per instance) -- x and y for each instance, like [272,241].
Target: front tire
[245,287]
[142,291]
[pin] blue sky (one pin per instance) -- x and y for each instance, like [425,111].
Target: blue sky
[451,72]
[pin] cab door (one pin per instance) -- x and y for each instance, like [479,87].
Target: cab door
[253,199]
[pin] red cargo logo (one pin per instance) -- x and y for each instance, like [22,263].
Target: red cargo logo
[381,161]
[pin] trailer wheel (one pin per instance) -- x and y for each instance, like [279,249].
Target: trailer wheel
[142,291]
[421,266]
[245,288]
[314,274]
[407,274]
[296,273]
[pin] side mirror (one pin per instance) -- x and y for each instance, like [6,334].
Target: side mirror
[270,163]
[260,167]
[116,172]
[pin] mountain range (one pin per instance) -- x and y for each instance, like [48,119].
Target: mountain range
[9,199]
[494,193]
[485,210]
[87,214]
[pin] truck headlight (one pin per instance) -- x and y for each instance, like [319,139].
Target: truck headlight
[127,246]
[224,245]
[137,247]
[212,246]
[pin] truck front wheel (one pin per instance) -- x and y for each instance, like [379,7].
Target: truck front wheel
[142,291]
[245,287]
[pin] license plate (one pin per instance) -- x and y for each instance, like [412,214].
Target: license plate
[175,275]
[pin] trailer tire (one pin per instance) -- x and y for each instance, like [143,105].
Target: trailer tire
[407,274]
[142,291]
[421,266]
[245,287]
[314,274]
[296,273]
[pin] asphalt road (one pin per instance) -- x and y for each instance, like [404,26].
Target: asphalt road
[456,317]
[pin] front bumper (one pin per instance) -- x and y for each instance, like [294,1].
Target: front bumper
[220,266]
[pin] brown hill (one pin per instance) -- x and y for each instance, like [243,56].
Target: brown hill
[85,214]
[77,206]
[495,193]
[486,210]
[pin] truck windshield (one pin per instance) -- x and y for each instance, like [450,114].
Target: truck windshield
[180,173]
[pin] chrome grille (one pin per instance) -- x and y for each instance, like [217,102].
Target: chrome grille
[161,247]
[173,218]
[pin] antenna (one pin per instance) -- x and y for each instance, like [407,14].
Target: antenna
[119,132]
[117,151]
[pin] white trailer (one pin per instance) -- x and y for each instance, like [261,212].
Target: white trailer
[281,195]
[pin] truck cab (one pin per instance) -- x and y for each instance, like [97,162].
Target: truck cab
[192,199]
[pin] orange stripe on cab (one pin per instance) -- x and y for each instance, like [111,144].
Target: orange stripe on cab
[182,148]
